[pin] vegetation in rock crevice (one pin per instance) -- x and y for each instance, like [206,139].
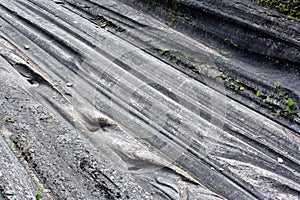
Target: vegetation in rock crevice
[290,7]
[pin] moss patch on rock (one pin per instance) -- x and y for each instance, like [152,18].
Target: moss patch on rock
[291,7]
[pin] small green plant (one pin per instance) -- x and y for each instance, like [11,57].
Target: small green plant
[199,64]
[290,106]
[6,118]
[21,150]
[261,10]
[173,20]
[258,93]
[278,112]
[192,23]
[39,195]
[225,53]
[11,145]
[238,86]
[162,52]
[176,7]
[188,58]
[268,100]
[231,42]
[273,30]
[153,4]
[277,85]
[150,39]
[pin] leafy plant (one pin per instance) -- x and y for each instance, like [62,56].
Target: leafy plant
[238,86]
[268,100]
[277,85]
[290,106]
[258,93]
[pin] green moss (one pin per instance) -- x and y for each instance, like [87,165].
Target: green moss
[291,8]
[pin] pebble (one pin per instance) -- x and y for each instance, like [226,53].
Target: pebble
[26,46]
[103,24]
[69,84]
[280,160]
[31,150]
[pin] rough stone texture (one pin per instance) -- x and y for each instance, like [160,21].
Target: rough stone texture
[110,103]
[15,182]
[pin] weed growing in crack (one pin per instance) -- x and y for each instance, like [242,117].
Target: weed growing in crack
[258,93]
[231,42]
[192,23]
[290,106]
[268,100]
[278,112]
[6,118]
[39,195]
[277,85]
[162,52]
[225,53]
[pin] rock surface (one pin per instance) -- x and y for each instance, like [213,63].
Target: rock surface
[148,100]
